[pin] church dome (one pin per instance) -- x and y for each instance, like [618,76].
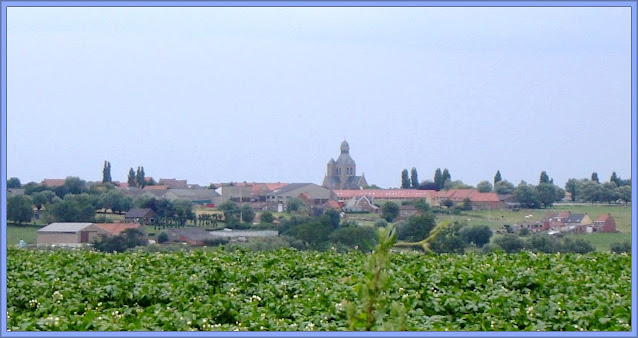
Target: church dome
[345,147]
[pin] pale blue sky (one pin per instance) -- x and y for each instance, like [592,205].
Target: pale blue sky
[268,94]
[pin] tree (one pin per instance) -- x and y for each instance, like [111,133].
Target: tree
[267,217]
[560,193]
[405,180]
[510,243]
[458,184]
[448,240]
[624,193]
[140,177]
[594,177]
[467,204]
[497,177]
[106,172]
[332,217]
[364,238]
[73,208]
[527,196]
[74,185]
[546,194]
[422,205]
[571,186]
[479,235]
[162,237]
[231,212]
[544,178]
[19,209]
[608,192]
[428,185]
[43,197]
[183,211]
[294,204]
[590,191]
[116,200]
[129,238]
[390,211]
[417,228]
[504,187]
[132,179]
[445,177]
[614,178]
[448,203]
[484,186]
[13,183]
[414,178]
[247,213]
[438,179]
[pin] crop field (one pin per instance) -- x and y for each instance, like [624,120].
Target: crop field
[289,290]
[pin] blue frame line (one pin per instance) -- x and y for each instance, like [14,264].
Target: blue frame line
[3,151]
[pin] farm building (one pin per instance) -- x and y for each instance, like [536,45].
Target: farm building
[604,223]
[69,234]
[192,236]
[115,229]
[145,216]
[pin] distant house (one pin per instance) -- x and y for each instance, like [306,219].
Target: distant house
[604,223]
[144,216]
[405,211]
[577,222]
[192,236]
[53,182]
[15,191]
[314,195]
[360,204]
[196,196]
[173,183]
[115,229]
[555,221]
[69,234]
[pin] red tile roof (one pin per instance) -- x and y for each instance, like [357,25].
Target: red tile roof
[384,193]
[156,187]
[53,182]
[604,217]
[117,228]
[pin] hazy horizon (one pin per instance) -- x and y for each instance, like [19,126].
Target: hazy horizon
[220,94]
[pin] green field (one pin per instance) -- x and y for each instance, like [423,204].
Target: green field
[27,233]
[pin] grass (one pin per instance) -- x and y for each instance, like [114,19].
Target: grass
[27,233]
[602,241]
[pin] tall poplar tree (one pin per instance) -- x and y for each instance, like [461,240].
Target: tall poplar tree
[414,178]
[405,179]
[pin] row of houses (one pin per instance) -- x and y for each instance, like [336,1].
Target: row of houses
[565,221]
[357,199]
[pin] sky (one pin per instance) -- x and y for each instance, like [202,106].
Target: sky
[212,94]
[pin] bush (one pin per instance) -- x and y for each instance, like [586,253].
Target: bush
[449,240]
[621,247]
[479,235]
[267,217]
[365,238]
[216,241]
[543,243]
[416,228]
[524,232]
[577,245]
[380,223]
[162,238]
[128,239]
[510,243]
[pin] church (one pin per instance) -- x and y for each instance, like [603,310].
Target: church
[342,173]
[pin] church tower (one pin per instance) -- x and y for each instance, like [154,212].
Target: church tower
[342,173]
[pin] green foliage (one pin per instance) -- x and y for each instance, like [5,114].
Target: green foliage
[374,310]
[294,204]
[527,196]
[247,213]
[484,186]
[594,177]
[405,179]
[291,290]
[510,243]
[416,228]
[544,178]
[414,178]
[162,237]
[504,187]
[577,245]
[479,235]
[116,200]
[389,211]
[73,208]
[13,183]
[140,179]
[621,247]
[106,172]
[19,208]
[132,178]
[571,187]
[422,205]
[183,210]
[129,238]
[447,203]
[361,237]
[267,217]
[546,193]
[42,198]
[438,179]
[380,223]
[332,217]
[449,240]
[231,212]
[497,177]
